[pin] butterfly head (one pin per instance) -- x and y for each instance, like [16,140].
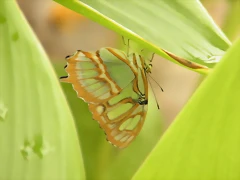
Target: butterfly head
[148,67]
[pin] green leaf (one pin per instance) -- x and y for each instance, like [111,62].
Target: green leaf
[203,141]
[184,29]
[37,135]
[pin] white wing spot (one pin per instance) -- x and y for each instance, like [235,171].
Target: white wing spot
[111,126]
[114,132]
[120,136]
[80,55]
[100,109]
[103,119]
[124,138]
[130,139]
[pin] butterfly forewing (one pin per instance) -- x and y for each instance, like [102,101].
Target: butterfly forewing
[115,88]
[87,73]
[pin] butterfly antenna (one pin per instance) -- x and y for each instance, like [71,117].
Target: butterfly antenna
[154,94]
[156,83]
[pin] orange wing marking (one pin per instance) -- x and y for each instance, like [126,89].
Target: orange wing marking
[79,77]
[133,67]
[119,138]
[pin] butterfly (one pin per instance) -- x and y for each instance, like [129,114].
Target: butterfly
[115,86]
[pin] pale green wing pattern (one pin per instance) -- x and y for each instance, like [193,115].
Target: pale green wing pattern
[115,86]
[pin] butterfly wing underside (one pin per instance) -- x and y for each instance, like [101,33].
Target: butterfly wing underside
[115,89]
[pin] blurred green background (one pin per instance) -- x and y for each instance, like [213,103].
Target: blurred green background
[62,32]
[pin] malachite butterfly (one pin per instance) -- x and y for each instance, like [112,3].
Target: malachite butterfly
[114,84]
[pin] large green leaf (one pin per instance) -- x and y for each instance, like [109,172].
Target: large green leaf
[203,142]
[37,135]
[180,27]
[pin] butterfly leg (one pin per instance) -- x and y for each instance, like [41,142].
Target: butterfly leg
[126,45]
[152,58]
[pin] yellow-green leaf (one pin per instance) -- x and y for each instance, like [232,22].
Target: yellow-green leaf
[181,27]
[38,139]
[203,142]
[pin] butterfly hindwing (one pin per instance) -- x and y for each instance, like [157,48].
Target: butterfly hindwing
[121,117]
